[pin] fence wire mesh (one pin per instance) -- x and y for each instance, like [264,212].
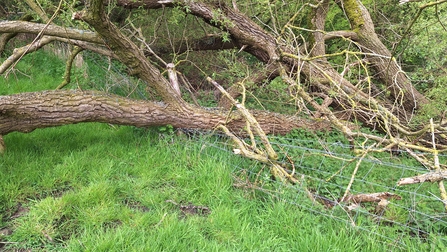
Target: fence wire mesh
[325,170]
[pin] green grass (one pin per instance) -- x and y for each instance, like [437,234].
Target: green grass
[96,187]
[100,188]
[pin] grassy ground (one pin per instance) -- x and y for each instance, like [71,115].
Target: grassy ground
[96,187]
[99,188]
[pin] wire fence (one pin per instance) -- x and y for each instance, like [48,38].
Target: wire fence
[325,169]
[329,171]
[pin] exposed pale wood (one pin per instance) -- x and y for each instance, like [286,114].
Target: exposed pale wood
[434,176]
[370,197]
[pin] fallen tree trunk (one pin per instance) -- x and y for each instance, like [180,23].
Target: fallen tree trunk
[25,112]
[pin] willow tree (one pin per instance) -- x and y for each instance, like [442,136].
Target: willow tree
[287,38]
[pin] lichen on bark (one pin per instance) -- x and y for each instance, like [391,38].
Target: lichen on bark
[354,13]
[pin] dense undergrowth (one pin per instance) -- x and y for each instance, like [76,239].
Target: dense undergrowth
[99,187]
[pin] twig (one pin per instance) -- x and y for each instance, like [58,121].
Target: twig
[434,176]
[67,75]
[437,166]
[370,197]
[348,188]
[37,37]
[249,117]
[251,151]
[162,218]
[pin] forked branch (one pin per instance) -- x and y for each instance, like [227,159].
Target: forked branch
[268,156]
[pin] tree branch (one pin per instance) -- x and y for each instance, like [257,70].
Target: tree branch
[5,37]
[25,112]
[341,34]
[434,176]
[129,54]
[67,75]
[19,52]
[52,30]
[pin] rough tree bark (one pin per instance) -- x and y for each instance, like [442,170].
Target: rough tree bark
[317,71]
[252,38]
[386,67]
[28,111]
